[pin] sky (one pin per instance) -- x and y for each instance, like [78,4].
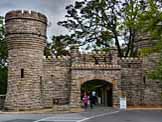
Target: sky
[53,9]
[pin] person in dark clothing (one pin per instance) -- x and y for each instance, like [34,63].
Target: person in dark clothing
[92,100]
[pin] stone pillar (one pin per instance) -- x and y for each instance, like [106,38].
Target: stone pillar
[75,53]
[116,81]
[114,53]
[26,36]
[75,101]
[75,93]
[116,95]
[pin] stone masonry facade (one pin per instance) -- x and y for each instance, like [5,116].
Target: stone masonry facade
[36,82]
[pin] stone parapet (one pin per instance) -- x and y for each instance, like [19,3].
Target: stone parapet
[25,22]
[93,66]
[99,57]
[20,14]
[63,61]
[59,58]
[94,53]
[131,60]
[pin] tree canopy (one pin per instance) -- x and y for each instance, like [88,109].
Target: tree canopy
[3,58]
[100,23]
[60,45]
[152,19]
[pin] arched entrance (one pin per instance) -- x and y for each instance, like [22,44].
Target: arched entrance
[103,91]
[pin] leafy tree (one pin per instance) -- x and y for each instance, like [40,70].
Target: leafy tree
[3,58]
[99,23]
[152,21]
[47,50]
[60,45]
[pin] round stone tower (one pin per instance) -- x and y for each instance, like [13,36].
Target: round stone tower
[26,36]
[143,40]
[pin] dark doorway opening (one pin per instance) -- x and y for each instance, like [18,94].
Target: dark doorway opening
[109,97]
[103,90]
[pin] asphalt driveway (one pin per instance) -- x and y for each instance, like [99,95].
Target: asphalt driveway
[94,115]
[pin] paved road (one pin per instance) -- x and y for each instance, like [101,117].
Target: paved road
[130,116]
[95,115]
[72,117]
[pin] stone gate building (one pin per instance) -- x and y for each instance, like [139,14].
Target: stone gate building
[35,82]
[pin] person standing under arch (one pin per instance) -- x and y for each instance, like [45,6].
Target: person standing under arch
[93,99]
[85,100]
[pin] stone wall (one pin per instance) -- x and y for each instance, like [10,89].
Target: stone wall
[56,81]
[139,90]
[152,93]
[153,88]
[131,80]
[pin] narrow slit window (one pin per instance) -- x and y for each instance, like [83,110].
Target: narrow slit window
[144,80]
[40,79]
[22,73]
[41,83]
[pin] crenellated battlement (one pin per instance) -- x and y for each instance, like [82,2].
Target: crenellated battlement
[131,60]
[61,61]
[94,53]
[25,29]
[93,66]
[54,59]
[24,14]
[94,57]
[88,60]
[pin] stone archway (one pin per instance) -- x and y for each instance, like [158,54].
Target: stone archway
[103,90]
[80,76]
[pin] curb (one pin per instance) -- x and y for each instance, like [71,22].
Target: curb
[46,111]
[129,109]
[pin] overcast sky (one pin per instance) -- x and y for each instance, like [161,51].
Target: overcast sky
[53,9]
